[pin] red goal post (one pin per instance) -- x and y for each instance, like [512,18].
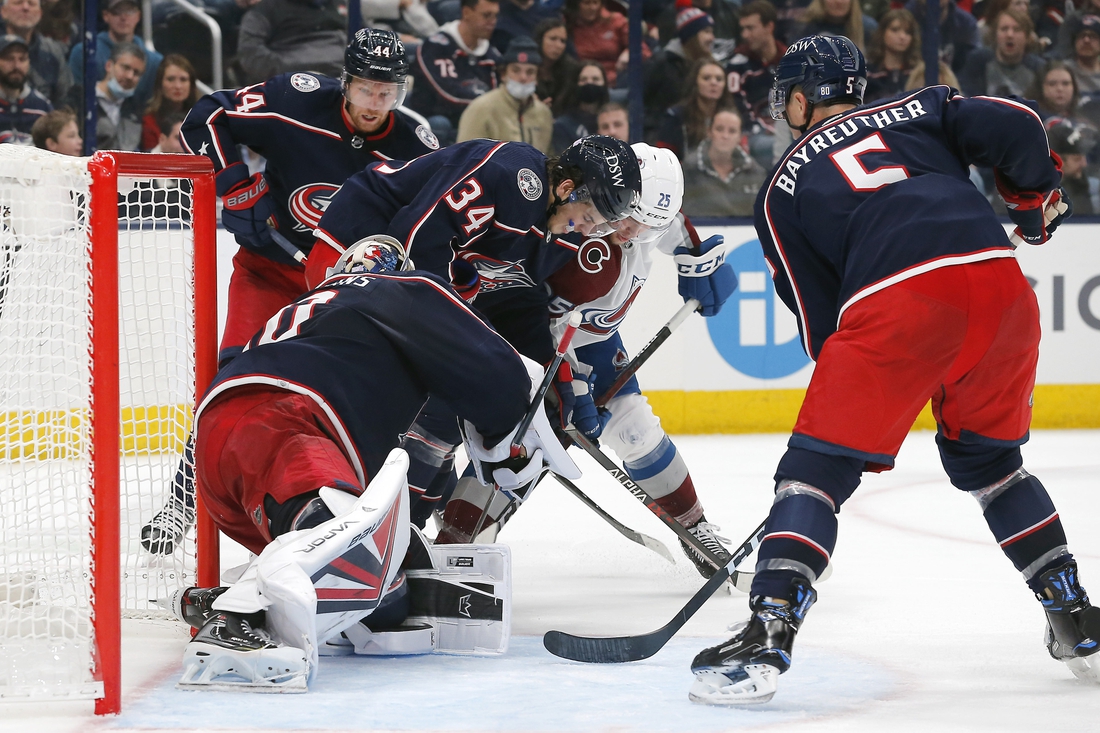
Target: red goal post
[108,313]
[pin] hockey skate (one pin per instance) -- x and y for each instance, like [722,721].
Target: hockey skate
[707,534]
[193,606]
[1073,624]
[165,531]
[231,652]
[745,670]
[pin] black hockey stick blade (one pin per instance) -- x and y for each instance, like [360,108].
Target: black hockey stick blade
[617,649]
[642,539]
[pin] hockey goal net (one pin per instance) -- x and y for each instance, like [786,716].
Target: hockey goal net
[108,327]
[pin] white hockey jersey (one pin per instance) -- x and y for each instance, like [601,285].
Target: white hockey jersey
[603,280]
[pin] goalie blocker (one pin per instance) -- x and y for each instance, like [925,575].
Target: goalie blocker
[356,584]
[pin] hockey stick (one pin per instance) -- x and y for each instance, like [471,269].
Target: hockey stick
[605,650]
[516,445]
[632,535]
[740,580]
[635,364]
[287,246]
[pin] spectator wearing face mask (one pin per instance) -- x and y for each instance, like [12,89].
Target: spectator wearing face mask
[118,122]
[512,111]
[576,118]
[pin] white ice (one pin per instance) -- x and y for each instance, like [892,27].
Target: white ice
[924,626]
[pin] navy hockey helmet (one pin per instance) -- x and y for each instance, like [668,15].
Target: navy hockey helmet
[375,56]
[611,175]
[826,69]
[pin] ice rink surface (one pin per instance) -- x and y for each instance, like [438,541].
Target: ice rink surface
[924,626]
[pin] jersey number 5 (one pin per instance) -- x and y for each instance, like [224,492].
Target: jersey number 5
[859,178]
[288,322]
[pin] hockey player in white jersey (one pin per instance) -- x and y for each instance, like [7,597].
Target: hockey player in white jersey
[601,283]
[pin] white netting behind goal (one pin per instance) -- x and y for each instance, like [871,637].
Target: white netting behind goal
[46,511]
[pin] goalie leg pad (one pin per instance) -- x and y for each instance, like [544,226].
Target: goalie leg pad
[315,583]
[466,597]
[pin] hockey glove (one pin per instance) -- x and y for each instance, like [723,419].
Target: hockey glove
[465,279]
[587,418]
[561,398]
[247,205]
[541,449]
[705,276]
[1035,215]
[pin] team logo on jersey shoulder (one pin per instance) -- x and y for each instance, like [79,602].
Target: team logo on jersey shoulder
[305,82]
[427,137]
[308,203]
[592,254]
[530,185]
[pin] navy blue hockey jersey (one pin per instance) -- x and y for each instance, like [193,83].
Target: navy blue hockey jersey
[481,200]
[371,348]
[882,193]
[297,122]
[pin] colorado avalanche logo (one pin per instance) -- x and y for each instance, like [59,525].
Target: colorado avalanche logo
[309,203]
[497,275]
[602,322]
[530,185]
[592,254]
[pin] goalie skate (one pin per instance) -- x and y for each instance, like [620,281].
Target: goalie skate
[229,653]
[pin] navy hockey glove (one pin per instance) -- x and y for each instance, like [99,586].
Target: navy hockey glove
[587,418]
[465,279]
[1035,215]
[247,205]
[705,275]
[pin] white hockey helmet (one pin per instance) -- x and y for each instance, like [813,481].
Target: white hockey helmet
[662,186]
[376,253]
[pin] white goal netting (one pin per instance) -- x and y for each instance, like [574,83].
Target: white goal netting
[47,516]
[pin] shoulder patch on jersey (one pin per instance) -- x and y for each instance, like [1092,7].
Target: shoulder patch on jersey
[305,82]
[530,185]
[427,137]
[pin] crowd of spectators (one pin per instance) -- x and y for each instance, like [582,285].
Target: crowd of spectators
[548,72]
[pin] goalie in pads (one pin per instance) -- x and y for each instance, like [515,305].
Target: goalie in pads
[297,460]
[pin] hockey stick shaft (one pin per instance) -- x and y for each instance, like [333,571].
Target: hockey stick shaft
[285,244]
[640,494]
[547,380]
[607,650]
[635,364]
[632,535]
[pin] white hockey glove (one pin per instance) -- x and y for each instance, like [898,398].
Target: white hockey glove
[541,449]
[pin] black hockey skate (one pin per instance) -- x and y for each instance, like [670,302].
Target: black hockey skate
[194,606]
[232,652]
[1073,624]
[165,531]
[745,669]
[707,534]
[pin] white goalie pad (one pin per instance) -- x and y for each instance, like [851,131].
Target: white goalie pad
[316,583]
[466,597]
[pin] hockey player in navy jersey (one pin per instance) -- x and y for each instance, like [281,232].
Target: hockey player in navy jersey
[295,447]
[601,283]
[905,288]
[314,131]
[486,216]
